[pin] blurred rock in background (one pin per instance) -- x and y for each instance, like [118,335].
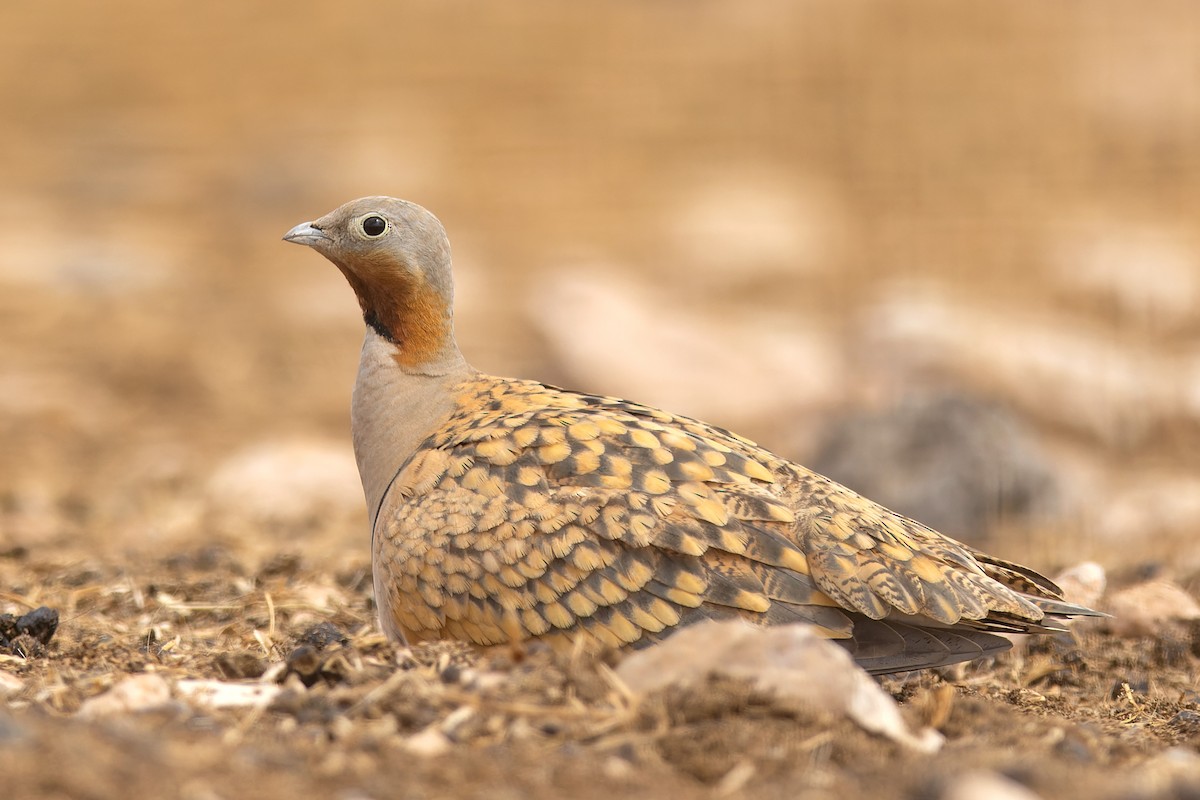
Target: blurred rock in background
[958,464]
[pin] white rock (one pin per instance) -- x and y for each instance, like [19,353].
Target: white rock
[455,720]
[801,668]
[136,693]
[289,481]
[321,596]
[1083,583]
[734,369]
[1067,374]
[1146,608]
[1149,273]
[987,786]
[10,684]
[1179,759]
[225,694]
[428,743]
[618,769]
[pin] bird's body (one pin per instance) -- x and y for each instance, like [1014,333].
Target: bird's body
[505,510]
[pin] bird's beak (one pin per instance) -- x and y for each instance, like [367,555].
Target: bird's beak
[305,234]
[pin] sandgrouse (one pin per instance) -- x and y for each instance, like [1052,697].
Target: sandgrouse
[504,510]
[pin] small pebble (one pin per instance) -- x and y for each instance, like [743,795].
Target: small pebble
[134,694]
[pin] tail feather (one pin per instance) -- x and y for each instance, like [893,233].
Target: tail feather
[884,646]
[1015,576]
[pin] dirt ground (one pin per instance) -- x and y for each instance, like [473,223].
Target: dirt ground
[1089,715]
[973,227]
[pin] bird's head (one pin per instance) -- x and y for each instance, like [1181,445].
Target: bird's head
[396,257]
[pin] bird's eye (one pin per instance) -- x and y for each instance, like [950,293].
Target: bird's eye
[374,225]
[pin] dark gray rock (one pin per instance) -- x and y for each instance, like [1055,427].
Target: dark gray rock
[957,463]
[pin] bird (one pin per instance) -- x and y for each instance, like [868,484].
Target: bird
[506,511]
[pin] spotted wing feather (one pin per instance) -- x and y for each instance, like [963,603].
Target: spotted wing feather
[536,512]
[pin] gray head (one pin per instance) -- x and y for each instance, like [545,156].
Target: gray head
[396,257]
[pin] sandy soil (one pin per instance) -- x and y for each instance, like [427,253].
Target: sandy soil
[1083,715]
[794,214]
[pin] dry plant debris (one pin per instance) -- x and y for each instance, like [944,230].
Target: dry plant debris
[249,685]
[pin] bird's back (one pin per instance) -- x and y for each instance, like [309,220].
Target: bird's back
[535,512]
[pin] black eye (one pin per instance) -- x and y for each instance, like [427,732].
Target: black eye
[374,225]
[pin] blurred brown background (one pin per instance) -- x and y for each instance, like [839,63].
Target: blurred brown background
[947,251]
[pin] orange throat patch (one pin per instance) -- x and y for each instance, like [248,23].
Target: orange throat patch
[409,313]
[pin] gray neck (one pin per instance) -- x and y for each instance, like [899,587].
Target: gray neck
[393,410]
